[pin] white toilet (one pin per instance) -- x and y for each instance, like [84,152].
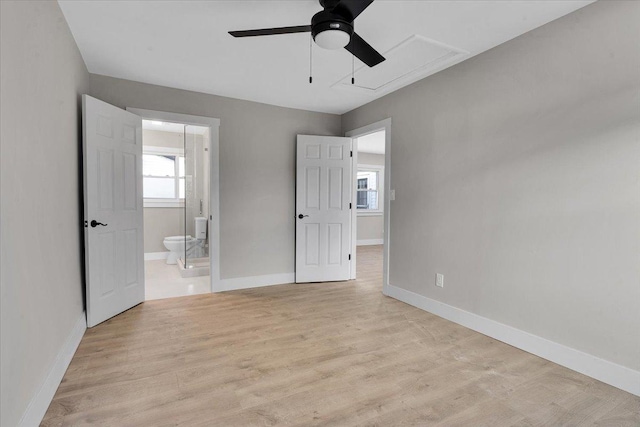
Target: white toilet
[176,245]
[194,245]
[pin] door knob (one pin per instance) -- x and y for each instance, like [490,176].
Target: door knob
[95,223]
[302,216]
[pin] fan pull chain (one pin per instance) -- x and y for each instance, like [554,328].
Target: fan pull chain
[310,59]
[353,66]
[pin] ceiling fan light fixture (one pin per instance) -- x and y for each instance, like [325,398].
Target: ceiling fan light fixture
[331,28]
[332,39]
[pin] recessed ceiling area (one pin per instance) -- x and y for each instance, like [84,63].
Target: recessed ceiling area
[186,45]
[412,59]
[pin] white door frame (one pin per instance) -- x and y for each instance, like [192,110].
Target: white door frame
[214,178]
[355,133]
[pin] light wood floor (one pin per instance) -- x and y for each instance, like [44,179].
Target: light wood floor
[336,354]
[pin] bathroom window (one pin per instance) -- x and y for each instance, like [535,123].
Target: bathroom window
[369,187]
[163,171]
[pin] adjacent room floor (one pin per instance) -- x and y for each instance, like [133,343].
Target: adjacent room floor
[162,280]
[316,354]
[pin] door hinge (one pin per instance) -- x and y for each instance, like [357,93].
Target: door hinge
[351,154]
[349,257]
[350,206]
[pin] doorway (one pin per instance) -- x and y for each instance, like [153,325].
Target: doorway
[371,192]
[181,204]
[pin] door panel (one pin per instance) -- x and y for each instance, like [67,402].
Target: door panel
[130,187]
[334,253]
[130,257]
[335,188]
[323,194]
[105,179]
[112,151]
[312,244]
[312,183]
[107,262]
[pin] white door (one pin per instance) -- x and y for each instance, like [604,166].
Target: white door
[323,209]
[114,253]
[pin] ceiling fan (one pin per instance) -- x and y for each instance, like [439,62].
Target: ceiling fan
[331,28]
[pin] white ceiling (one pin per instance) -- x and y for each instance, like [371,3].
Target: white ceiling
[372,143]
[184,44]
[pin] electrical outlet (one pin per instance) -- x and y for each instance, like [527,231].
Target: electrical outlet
[393,195]
[440,280]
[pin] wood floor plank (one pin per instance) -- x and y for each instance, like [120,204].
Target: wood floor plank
[316,354]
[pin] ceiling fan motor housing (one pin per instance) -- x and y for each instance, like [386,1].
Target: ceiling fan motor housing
[325,20]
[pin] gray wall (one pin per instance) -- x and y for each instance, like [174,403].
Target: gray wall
[516,176]
[370,159]
[257,168]
[160,223]
[370,227]
[42,76]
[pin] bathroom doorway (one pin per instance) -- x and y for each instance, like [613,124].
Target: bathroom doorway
[372,195]
[180,195]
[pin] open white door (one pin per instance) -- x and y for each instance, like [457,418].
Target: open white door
[323,209]
[114,252]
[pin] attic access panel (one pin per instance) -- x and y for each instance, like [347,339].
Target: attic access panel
[412,59]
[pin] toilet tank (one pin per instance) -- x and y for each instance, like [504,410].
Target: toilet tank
[201,227]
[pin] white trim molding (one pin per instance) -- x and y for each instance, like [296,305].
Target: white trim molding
[369,213]
[355,133]
[167,203]
[255,282]
[608,372]
[40,403]
[152,256]
[370,242]
[165,116]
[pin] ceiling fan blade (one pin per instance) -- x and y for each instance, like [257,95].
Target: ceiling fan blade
[271,31]
[351,8]
[363,51]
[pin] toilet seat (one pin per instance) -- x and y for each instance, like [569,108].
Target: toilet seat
[178,238]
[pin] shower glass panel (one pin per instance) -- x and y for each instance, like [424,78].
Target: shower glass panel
[194,182]
[188,185]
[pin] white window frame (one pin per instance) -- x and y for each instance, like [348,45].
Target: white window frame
[165,203]
[380,170]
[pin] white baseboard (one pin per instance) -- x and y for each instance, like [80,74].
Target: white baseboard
[41,401]
[369,242]
[608,372]
[254,282]
[152,256]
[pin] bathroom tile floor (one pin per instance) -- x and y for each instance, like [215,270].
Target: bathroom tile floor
[164,281]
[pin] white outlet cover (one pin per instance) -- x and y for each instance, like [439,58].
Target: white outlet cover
[440,280]
[392,195]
